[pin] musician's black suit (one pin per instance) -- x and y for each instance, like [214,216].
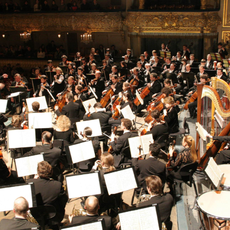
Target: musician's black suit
[121,149]
[44,92]
[165,204]
[71,110]
[16,223]
[148,167]
[87,219]
[50,192]
[51,155]
[99,86]
[102,116]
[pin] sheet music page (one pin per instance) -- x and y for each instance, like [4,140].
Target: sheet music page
[202,132]
[21,138]
[81,152]
[83,185]
[134,143]
[93,124]
[3,104]
[219,119]
[9,194]
[146,140]
[40,120]
[90,226]
[14,94]
[139,97]
[128,113]
[92,102]
[120,181]
[41,100]
[213,171]
[140,219]
[28,165]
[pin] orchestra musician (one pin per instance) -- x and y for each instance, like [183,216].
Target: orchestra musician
[93,68]
[84,66]
[97,84]
[58,85]
[171,114]
[116,86]
[49,67]
[185,52]
[82,80]
[64,61]
[70,86]
[209,62]
[42,88]
[222,51]
[70,70]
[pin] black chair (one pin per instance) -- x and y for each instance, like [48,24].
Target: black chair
[186,172]
[183,131]
[163,140]
[43,215]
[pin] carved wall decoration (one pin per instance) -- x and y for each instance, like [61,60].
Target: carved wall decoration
[134,22]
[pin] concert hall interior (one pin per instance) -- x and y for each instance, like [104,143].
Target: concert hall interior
[115,114]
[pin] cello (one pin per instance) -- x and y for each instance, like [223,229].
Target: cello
[61,102]
[133,85]
[143,94]
[191,99]
[104,101]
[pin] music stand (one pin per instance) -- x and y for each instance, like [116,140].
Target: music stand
[35,83]
[189,77]
[211,73]
[143,218]
[51,76]
[213,56]
[64,69]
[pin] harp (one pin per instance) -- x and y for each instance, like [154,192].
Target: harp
[212,102]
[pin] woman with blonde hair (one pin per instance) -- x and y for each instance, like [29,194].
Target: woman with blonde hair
[186,156]
[63,130]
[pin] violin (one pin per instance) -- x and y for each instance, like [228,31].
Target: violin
[151,106]
[143,94]
[104,101]
[191,99]
[159,107]
[172,154]
[61,102]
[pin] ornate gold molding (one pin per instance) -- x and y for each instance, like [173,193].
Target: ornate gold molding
[225,36]
[133,22]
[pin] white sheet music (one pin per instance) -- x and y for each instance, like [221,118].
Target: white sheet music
[120,181]
[91,226]
[40,120]
[143,141]
[92,102]
[81,152]
[202,132]
[139,97]
[83,185]
[3,104]
[93,124]
[128,113]
[219,119]
[41,100]
[140,219]
[28,165]
[213,171]
[9,194]
[14,94]
[21,138]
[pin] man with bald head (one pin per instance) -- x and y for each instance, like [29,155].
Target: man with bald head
[92,207]
[19,221]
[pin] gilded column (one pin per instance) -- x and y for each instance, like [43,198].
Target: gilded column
[203,4]
[141,4]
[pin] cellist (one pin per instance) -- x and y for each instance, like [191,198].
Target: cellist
[154,87]
[116,86]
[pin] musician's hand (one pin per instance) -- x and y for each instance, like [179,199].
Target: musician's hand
[70,218]
[171,150]
[56,107]
[112,138]
[120,94]
[189,93]
[209,135]
[5,75]
[113,98]
[59,94]
[118,226]
[165,112]
[150,125]
[104,92]
[149,85]
[118,107]
[113,87]
[162,100]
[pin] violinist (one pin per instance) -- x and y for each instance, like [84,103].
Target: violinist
[142,60]
[71,109]
[123,71]
[97,84]
[105,70]
[42,88]
[222,51]
[36,73]
[70,86]
[58,85]
[93,69]
[135,80]
[221,75]
[171,114]
[188,155]
[49,67]
[82,80]
[84,66]
[91,61]
[158,128]
[171,73]
[154,87]
[146,73]
[209,62]
[79,97]
[70,70]
[64,61]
